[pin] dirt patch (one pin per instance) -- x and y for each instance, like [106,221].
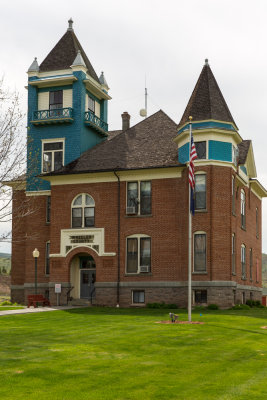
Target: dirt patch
[263,327]
[181,322]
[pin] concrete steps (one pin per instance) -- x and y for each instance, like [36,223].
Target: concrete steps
[80,302]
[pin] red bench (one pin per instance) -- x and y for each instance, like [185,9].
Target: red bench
[33,299]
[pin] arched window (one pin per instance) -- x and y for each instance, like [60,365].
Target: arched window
[83,211]
[243,261]
[243,209]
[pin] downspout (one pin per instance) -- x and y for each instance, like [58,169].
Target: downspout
[119,234]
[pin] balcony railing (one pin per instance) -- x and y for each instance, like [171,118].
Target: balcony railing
[57,115]
[96,123]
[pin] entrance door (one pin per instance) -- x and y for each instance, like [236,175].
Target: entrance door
[87,284]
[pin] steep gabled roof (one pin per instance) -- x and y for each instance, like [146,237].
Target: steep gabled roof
[207,101]
[149,144]
[64,53]
[243,149]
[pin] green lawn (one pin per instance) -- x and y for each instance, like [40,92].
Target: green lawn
[4,308]
[98,354]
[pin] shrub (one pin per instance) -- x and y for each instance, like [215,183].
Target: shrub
[254,303]
[241,307]
[6,303]
[213,307]
[161,305]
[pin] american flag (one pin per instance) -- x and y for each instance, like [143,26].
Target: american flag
[193,157]
[191,172]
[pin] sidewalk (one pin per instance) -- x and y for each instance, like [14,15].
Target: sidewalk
[34,310]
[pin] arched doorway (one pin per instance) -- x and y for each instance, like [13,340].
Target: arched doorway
[87,277]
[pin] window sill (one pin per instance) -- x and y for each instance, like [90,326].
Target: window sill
[257,236]
[243,279]
[138,305]
[233,214]
[233,273]
[199,273]
[243,228]
[138,215]
[138,274]
[201,211]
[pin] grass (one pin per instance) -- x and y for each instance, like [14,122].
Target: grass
[4,308]
[121,354]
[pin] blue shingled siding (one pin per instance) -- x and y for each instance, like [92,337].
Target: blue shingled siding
[78,137]
[221,151]
[183,153]
[208,125]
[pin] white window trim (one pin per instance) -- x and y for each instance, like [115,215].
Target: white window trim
[83,205]
[137,236]
[243,253]
[202,209]
[44,141]
[233,250]
[199,233]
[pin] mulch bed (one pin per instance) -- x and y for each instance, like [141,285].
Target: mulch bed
[181,322]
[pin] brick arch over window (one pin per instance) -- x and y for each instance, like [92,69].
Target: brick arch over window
[83,211]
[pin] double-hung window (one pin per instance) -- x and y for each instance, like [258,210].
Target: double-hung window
[243,261]
[138,254]
[91,104]
[83,211]
[55,102]
[233,195]
[200,192]
[52,155]
[47,258]
[200,258]
[233,254]
[243,209]
[139,197]
[257,222]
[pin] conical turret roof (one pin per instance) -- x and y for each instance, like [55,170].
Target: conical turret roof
[207,101]
[64,53]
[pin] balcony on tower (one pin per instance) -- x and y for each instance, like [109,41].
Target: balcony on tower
[92,120]
[53,116]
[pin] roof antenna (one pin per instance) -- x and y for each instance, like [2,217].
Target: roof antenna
[70,21]
[143,111]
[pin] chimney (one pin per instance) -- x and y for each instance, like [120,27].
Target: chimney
[125,120]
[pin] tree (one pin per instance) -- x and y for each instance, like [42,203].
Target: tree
[12,154]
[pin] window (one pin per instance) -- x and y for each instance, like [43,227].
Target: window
[257,222]
[243,261]
[233,254]
[233,194]
[200,252]
[201,150]
[83,211]
[257,270]
[138,296]
[55,102]
[200,192]
[250,264]
[243,298]
[200,296]
[138,254]
[243,209]
[52,156]
[47,258]
[48,209]
[139,198]
[91,104]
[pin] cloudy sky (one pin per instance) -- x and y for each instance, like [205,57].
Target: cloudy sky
[164,42]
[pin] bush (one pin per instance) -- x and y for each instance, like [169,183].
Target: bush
[161,305]
[241,307]
[213,307]
[6,303]
[254,303]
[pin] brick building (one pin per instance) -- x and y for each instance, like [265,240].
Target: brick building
[108,210]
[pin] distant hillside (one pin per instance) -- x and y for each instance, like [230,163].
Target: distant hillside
[264,270]
[5,262]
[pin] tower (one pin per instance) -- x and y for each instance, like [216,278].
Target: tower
[67,109]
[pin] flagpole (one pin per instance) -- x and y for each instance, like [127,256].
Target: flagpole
[189,234]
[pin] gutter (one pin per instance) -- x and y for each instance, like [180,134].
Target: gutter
[119,234]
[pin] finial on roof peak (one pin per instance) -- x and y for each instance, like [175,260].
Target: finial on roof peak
[34,67]
[79,59]
[103,81]
[70,21]
[206,61]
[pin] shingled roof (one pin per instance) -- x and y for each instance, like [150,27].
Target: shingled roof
[243,149]
[64,53]
[149,144]
[207,101]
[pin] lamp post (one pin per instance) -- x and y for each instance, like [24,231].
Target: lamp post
[35,255]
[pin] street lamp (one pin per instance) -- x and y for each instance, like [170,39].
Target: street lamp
[35,255]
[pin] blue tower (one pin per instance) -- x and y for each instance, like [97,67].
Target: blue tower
[67,109]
